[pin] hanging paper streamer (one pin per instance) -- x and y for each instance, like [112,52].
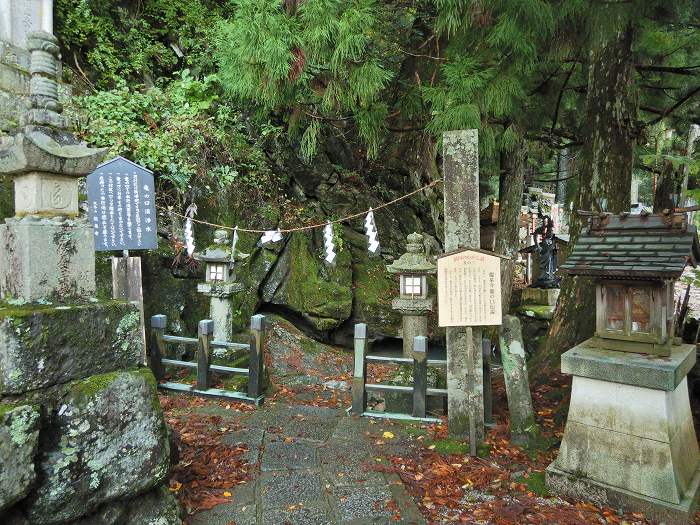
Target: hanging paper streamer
[371,232]
[189,229]
[328,243]
[271,236]
[234,241]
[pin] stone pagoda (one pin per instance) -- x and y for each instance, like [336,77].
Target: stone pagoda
[629,440]
[82,434]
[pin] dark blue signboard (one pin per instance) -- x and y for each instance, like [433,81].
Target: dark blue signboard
[121,195]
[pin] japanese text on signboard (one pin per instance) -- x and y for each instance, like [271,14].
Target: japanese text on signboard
[121,196]
[469,289]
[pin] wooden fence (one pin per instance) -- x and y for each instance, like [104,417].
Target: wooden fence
[419,389]
[205,344]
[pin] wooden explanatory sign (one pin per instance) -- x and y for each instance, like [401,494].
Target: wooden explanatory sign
[469,289]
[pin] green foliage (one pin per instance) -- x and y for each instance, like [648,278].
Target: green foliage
[327,63]
[180,131]
[136,40]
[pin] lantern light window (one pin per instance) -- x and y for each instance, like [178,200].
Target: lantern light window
[216,272]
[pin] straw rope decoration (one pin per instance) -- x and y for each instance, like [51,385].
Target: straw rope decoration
[276,234]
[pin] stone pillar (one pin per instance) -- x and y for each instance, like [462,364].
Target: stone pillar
[629,440]
[465,380]
[413,326]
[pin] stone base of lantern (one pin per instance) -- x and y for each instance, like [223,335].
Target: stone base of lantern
[49,259]
[629,440]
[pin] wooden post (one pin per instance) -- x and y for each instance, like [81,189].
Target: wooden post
[126,285]
[206,330]
[488,393]
[256,362]
[156,349]
[420,375]
[359,396]
[465,384]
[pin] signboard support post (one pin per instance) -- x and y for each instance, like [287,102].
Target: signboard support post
[465,380]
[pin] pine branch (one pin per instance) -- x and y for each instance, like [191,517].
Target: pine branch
[686,70]
[669,111]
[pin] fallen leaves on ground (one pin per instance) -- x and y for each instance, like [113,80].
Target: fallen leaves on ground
[208,468]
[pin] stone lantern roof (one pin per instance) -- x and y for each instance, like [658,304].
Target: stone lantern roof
[220,250]
[414,260]
[634,247]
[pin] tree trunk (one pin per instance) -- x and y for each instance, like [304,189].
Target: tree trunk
[607,159]
[510,196]
[665,188]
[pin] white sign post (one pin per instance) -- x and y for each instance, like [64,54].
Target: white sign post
[469,289]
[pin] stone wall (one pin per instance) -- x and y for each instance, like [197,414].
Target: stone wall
[83,439]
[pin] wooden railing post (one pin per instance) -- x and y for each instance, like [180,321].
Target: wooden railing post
[256,362]
[156,348]
[420,375]
[359,377]
[206,330]
[488,394]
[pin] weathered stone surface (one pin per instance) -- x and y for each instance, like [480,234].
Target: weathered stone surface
[541,296]
[19,438]
[47,259]
[664,373]
[321,294]
[157,507]
[522,417]
[465,381]
[41,346]
[106,440]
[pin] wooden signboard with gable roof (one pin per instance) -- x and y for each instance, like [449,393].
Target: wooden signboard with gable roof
[469,288]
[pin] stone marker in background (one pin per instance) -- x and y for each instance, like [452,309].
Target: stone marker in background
[523,428]
[465,396]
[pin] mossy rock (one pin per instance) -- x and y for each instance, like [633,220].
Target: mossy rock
[105,440]
[45,345]
[320,294]
[19,439]
[374,288]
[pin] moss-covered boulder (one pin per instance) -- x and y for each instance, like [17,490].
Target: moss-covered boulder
[157,507]
[105,440]
[19,439]
[42,346]
[319,293]
[374,288]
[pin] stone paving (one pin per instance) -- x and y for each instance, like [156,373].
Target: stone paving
[314,467]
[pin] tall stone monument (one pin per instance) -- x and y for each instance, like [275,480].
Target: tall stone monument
[82,435]
[465,376]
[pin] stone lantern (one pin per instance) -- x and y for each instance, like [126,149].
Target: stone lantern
[629,440]
[413,303]
[220,282]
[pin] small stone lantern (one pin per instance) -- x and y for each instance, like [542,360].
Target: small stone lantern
[413,303]
[629,440]
[220,282]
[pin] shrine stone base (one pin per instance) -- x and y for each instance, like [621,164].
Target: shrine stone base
[546,297]
[47,259]
[629,440]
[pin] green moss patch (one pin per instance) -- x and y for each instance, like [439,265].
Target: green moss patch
[535,483]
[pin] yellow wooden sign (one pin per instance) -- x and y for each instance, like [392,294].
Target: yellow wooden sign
[469,289]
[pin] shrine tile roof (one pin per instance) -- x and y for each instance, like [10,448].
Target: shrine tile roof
[634,247]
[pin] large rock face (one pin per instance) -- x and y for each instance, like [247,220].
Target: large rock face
[46,346]
[105,439]
[19,439]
